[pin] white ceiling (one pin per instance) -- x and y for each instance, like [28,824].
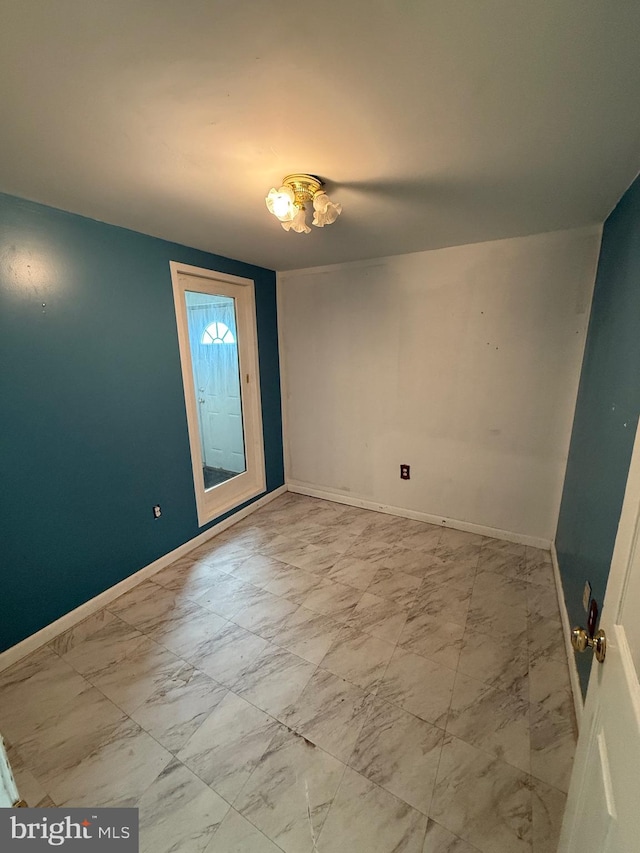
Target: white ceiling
[434,122]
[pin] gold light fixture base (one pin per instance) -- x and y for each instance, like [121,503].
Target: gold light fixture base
[305,187]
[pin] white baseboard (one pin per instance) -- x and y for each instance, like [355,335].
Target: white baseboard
[493,532]
[48,633]
[578,701]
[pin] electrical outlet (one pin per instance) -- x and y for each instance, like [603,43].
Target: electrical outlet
[405,472]
[157,512]
[586,596]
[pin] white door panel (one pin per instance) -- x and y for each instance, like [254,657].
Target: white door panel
[603,807]
[216,322]
[216,374]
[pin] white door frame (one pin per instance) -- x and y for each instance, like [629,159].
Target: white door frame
[252,482]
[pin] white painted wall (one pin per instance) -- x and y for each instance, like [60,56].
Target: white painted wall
[463,362]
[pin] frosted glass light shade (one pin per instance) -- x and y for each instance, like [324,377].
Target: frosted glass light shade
[324,210]
[298,223]
[280,203]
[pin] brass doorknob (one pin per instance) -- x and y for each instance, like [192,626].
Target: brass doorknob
[581,641]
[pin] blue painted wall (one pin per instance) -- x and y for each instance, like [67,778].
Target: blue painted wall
[606,417]
[93,426]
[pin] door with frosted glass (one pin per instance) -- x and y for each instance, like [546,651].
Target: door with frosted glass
[217,334]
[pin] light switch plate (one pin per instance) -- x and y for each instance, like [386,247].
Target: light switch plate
[586,596]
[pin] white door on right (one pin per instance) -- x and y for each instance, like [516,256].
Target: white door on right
[603,806]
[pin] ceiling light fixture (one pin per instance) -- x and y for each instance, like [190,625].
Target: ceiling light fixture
[288,203]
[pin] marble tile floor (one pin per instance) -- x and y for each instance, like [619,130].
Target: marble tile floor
[316,678]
